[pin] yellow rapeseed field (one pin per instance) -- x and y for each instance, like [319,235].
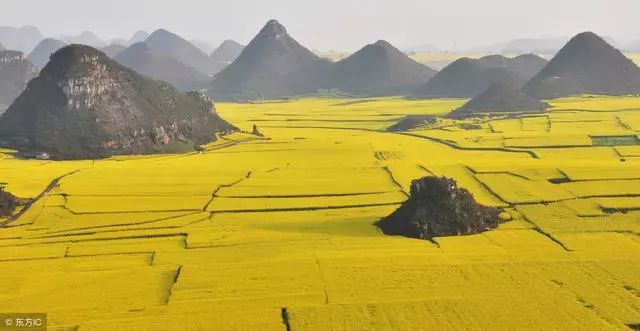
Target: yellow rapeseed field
[277,232]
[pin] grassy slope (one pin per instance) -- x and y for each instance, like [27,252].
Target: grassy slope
[139,242]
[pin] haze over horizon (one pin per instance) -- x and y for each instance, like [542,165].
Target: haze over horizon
[333,24]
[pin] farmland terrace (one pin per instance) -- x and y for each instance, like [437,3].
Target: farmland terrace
[277,232]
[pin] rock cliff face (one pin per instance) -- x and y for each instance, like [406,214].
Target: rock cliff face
[15,73]
[85,105]
[437,207]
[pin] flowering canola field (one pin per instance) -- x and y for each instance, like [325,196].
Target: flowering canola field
[276,232]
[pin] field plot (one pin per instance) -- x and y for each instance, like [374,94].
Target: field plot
[277,232]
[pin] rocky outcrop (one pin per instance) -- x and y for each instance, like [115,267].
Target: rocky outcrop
[85,105]
[438,207]
[256,131]
[9,203]
[15,73]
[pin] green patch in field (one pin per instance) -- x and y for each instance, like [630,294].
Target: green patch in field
[615,140]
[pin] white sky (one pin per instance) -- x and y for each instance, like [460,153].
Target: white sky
[335,24]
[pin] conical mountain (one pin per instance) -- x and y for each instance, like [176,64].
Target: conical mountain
[40,55]
[228,51]
[15,73]
[528,65]
[170,44]
[137,37]
[502,97]
[85,105]
[379,69]
[466,78]
[113,50]
[587,64]
[272,65]
[140,58]
[202,45]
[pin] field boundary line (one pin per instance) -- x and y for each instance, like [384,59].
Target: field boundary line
[232,211]
[436,140]
[53,184]
[215,193]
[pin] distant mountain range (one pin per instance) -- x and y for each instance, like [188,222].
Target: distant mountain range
[15,73]
[168,43]
[228,51]
[85,38]
[275,65]
[543,46]
[168,57]
[204,46]
[162,67]
[41,53]
[137,37]
[113,50]
[466,78]
[20,39]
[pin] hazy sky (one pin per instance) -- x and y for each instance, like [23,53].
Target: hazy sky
[335,24]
